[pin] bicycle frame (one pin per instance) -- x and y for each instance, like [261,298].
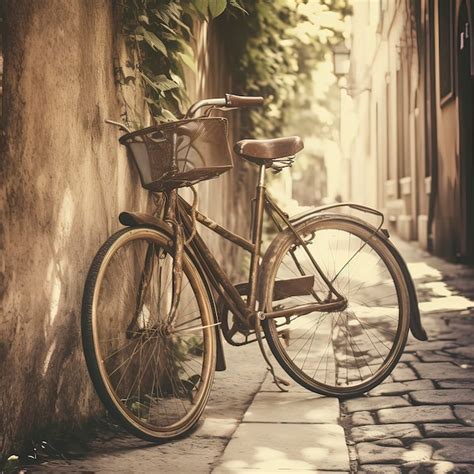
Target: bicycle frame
[246,310]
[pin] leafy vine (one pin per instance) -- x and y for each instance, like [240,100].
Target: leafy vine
[159,35]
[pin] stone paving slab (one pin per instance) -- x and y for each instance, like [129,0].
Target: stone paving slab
[402,374]
[273,447]
[466,352]
[371,453]
[220,427]
[432,357]
[378,432]
[442,370]
[407,357]
[440,430]
[391,442]
[458,383]
[418,414]
[292,408]
[460,449]
[429,345]
[437,467]
[378,468]
[374,403]
[465,413]
[443,396]
[398,388]
[362,418]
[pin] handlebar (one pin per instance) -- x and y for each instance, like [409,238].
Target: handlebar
[229,100]
[243,101]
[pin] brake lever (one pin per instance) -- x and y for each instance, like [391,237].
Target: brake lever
[211,109]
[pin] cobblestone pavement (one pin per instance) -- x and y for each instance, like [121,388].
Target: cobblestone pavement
[421,419]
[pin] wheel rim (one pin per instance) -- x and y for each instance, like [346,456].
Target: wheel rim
[348,350]
[156,375]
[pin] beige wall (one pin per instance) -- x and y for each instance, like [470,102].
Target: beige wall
[65,181]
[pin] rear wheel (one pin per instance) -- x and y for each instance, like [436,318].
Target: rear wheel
[341,353]
[153,375]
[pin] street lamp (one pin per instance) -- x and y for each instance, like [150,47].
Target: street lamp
[341,60]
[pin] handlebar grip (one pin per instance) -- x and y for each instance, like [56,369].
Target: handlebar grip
[242,101]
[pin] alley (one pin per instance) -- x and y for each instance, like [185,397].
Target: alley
[113,108]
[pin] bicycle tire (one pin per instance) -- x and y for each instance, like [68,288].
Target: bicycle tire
[148,414]
[352,327]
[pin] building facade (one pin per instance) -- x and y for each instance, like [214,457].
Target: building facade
[411,82]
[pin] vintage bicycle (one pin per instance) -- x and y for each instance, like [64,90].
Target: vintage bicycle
[331,295]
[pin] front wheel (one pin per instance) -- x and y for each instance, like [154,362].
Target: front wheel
[340,353]
[153,374]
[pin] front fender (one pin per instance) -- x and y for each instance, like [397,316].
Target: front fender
[416,326]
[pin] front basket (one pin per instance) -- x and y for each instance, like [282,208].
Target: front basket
[180,153]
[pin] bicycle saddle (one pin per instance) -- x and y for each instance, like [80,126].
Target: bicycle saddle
[264,151]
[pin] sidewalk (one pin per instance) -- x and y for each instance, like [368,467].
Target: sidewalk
[294,431]
[420,420]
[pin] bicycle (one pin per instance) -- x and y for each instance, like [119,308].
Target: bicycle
[331,295]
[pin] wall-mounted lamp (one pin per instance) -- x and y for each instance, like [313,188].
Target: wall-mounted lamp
[341,60]
[341,57]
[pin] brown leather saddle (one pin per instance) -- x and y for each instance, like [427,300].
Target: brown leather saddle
[263,152]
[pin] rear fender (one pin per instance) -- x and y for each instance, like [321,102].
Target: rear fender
[140,219]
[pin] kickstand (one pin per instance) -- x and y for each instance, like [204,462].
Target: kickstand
[278,381]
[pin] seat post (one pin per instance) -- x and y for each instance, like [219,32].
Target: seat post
[257,225]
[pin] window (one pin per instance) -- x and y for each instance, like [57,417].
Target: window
[446,38]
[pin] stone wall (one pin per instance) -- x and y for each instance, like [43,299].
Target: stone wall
[65,179]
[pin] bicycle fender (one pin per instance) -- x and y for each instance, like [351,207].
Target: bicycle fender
[316,211]
[137,219]
[416,326]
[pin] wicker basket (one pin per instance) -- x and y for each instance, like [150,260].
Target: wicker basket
[180,153]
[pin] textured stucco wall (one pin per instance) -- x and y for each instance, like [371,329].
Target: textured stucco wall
[65,179]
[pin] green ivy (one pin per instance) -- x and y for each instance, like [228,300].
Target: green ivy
[159,34]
